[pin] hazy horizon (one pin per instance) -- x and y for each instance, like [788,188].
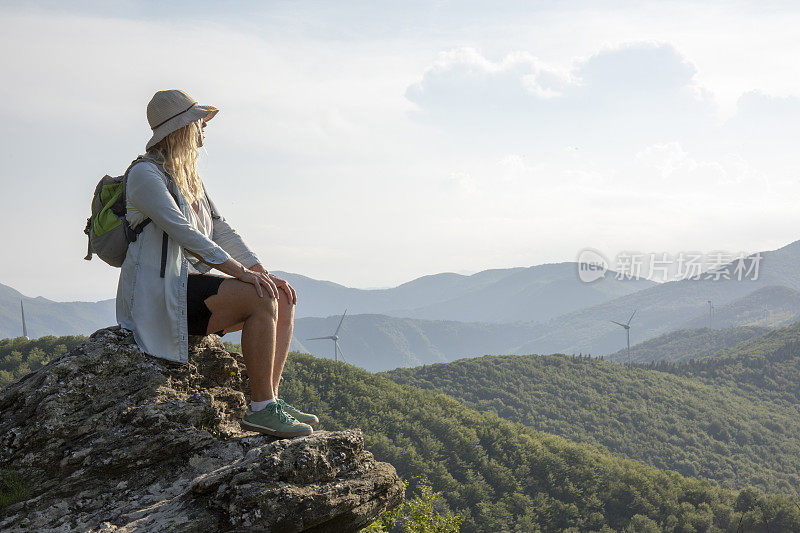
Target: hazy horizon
[371,144]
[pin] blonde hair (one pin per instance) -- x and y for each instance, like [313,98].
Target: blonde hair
[178,153]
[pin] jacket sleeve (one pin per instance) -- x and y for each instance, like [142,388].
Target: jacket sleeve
[147,190]
[229,239]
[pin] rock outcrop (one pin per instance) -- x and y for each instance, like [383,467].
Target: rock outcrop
[108,438]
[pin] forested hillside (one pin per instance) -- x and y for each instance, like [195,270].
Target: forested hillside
[685,344]
[698,428]
[765,367]
[18,356]
[773,306]
[505,476]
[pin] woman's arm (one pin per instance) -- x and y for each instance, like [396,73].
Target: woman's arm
[148,192]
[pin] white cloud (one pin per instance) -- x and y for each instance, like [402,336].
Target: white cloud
[465,69]
[461,183]
[673,165]
[645,92]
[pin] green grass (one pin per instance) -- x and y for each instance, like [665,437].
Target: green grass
[12,488]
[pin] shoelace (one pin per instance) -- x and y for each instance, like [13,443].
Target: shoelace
[283,416]
[286,405]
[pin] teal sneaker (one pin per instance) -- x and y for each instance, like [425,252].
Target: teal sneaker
[272,420]
[306,418]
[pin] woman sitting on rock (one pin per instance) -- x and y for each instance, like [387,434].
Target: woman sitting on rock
[164,292]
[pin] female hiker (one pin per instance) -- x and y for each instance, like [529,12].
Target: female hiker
[165,293]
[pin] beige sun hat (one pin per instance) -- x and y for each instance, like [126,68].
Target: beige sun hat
[171,110]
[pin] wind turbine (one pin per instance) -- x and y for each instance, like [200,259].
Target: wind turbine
[335,338]
[24,327]
[710,314]
[627,327]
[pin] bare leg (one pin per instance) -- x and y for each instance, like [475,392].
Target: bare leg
[285,325]
[236,303]
[258,349]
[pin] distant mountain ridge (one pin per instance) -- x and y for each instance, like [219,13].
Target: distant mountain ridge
[766,367]
[684,344]
[749,317]
[521,294]
[380,342]
[772,306]
[47,317]
[532,294]
[666,307]
[566,315]
[495,295]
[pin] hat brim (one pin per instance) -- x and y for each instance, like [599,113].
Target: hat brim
[195,112]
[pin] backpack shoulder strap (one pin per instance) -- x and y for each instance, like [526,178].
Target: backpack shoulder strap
[125,176]
[171,185]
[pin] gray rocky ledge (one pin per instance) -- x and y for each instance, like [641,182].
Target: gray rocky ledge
[111,439]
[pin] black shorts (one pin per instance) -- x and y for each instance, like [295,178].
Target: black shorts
[198,288]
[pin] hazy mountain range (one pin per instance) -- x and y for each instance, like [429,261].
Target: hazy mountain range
[532,294]
[540,309]
[380,342]
[46,317]
[500,295]
[669,306]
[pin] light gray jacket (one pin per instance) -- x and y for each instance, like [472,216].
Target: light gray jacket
[154,308]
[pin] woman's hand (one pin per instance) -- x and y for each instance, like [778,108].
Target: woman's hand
[255,275]
[261,281]
[282,283]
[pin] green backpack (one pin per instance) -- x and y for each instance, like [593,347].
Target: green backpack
[108,230]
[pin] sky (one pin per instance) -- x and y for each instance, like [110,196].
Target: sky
[370,143]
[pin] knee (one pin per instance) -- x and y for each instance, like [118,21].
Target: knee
[266,306]
[285,308]
[271,306]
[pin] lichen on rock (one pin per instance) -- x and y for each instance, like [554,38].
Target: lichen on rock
[108,438]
